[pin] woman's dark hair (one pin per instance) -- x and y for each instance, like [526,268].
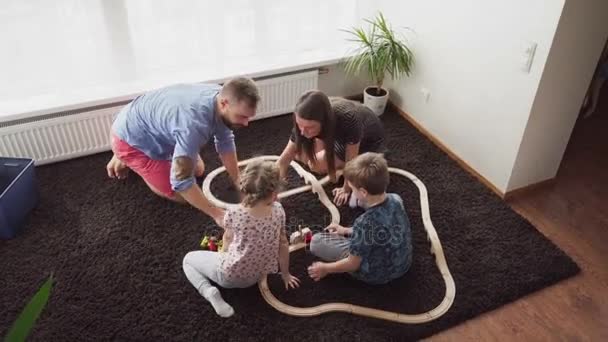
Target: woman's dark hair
[315,105]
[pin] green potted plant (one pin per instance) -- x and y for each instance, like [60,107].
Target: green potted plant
[379,51]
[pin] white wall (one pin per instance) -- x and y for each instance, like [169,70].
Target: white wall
[580,37]
[337,83]
[468,56]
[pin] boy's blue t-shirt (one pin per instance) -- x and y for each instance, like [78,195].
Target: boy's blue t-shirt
[382,238]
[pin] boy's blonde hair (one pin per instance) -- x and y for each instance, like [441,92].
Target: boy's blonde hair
[368,171]
[258,181]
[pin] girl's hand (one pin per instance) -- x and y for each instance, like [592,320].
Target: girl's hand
[290,281]
[341,196]
[317,271]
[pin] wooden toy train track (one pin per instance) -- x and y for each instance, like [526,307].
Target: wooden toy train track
[316,186]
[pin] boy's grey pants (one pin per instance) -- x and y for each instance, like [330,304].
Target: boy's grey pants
[330,247]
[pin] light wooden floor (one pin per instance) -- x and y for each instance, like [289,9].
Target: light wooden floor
[573,213]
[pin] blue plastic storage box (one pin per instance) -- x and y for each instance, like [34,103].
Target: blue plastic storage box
[18,194]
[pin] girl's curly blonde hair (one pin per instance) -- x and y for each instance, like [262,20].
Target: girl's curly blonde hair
[258,181]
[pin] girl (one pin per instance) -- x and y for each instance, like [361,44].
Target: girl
[255,242]
[327,133]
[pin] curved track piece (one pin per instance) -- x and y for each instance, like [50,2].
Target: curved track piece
[316,186]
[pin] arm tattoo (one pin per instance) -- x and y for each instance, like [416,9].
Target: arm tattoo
[183,167]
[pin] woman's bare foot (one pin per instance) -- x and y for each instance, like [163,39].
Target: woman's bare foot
[116,168]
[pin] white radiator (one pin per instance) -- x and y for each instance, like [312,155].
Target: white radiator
[279,95]
[62,136]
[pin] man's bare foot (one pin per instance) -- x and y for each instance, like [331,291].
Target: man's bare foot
[117,169]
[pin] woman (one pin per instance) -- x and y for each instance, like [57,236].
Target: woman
[318,123]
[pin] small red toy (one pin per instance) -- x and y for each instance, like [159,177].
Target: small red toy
[212,244]
[308,237]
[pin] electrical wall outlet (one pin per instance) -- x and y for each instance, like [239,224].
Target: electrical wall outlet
[426,94]
[527,55]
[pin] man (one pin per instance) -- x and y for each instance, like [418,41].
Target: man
[159,135]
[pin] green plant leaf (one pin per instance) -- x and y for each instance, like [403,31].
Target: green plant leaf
[26,320]
[380,50]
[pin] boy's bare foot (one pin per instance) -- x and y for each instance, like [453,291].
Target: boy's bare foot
[117,169]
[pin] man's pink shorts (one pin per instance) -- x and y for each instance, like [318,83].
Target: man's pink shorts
[156,173]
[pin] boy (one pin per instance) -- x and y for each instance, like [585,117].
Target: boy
[379,246]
